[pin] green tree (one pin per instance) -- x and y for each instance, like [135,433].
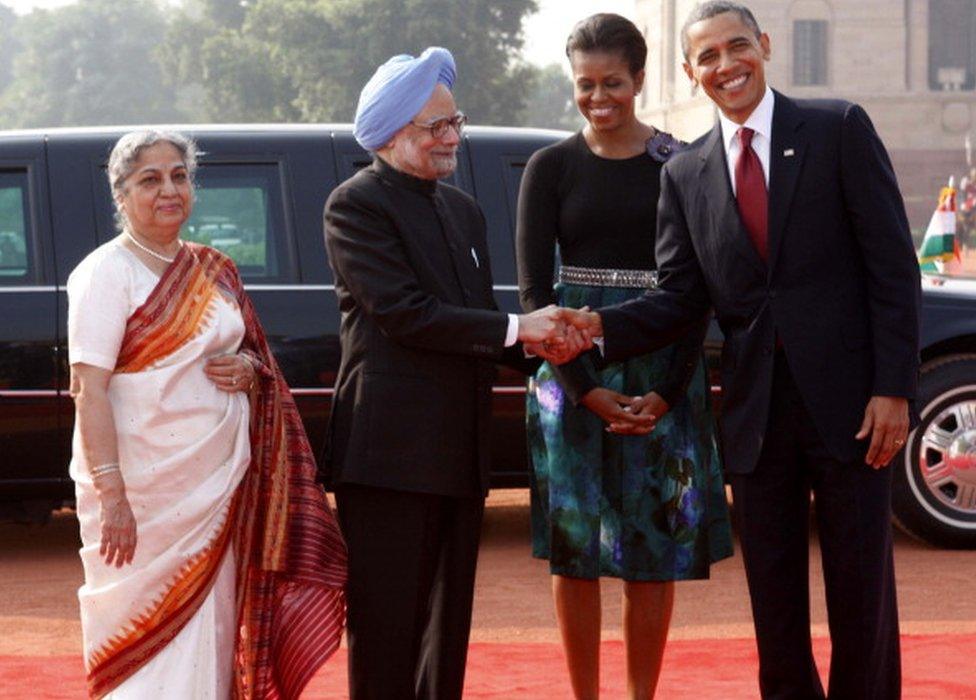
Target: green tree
[8,45]
[307,60]
[88,63]
[228,14]
[550,103]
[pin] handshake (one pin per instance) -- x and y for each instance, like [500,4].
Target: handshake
[558,334]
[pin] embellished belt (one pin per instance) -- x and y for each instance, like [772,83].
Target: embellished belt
[602,277]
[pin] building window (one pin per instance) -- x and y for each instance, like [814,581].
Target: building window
[952,45]
[809,52]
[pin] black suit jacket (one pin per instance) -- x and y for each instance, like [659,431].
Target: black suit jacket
[420,335]
[840,290]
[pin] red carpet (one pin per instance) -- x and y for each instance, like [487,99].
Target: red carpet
[936,667]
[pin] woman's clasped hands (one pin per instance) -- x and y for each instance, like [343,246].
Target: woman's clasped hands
[626,415]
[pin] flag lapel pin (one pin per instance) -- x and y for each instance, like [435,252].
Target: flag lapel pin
[789,153]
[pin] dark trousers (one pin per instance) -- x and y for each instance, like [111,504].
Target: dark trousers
[852,502]
[412,561]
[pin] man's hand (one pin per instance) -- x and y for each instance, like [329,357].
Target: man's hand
[545,325]
[886,421]
[573,344]
[587,322]
[577,326]
[617,410]
[648,409]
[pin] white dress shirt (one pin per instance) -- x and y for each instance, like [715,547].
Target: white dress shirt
[761,122]
[511,334]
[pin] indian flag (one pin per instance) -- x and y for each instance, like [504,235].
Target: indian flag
[940,244]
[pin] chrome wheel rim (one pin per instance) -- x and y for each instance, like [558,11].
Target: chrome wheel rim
[947,457]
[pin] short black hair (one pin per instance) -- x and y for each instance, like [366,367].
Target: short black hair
[609,33]
[707,10]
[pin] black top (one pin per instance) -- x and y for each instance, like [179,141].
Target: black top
[602,213]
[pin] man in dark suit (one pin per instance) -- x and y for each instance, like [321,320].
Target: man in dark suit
[786,219]
[420,336]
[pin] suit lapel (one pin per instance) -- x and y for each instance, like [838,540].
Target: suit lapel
[787,148]
[718,191]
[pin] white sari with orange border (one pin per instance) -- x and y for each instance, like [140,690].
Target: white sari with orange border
[236,587]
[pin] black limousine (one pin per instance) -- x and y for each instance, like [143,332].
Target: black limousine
[260,195]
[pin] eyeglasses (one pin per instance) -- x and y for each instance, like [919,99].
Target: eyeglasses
[438,128]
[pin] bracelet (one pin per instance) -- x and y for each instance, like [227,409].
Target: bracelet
[255,360]
[256,364]
[254,370]
[103,469]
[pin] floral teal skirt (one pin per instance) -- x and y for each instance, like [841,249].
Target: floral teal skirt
[640,508]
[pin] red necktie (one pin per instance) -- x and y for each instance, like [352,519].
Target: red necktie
[750,193]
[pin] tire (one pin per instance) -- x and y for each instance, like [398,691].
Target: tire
[934,484]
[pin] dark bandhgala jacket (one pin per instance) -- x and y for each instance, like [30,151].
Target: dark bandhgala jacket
[420,335]
[840,291]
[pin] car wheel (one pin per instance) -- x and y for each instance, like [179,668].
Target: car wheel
[934,488]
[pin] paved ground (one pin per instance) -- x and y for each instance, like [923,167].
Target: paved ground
[40,572]
[935,588]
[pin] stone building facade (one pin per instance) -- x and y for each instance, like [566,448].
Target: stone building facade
[910,63]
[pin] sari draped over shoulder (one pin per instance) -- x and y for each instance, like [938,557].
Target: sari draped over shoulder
[208,493]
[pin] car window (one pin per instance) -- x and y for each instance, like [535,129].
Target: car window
[497,178]
[238,210]
[15,252]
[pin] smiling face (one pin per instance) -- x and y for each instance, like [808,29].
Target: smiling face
[157,196]
[415,151]
[726,58]
[604,88]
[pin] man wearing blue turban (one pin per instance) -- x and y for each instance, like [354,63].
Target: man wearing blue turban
[410,424]
[397,91]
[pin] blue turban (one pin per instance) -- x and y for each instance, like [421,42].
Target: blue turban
[398,90]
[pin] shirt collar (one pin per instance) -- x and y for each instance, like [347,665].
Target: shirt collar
[760,121]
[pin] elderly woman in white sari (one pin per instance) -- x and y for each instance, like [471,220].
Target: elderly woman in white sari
[213,564]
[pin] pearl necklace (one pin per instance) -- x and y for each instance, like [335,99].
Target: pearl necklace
[152,252]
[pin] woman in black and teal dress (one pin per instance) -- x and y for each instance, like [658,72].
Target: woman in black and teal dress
[648,509]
